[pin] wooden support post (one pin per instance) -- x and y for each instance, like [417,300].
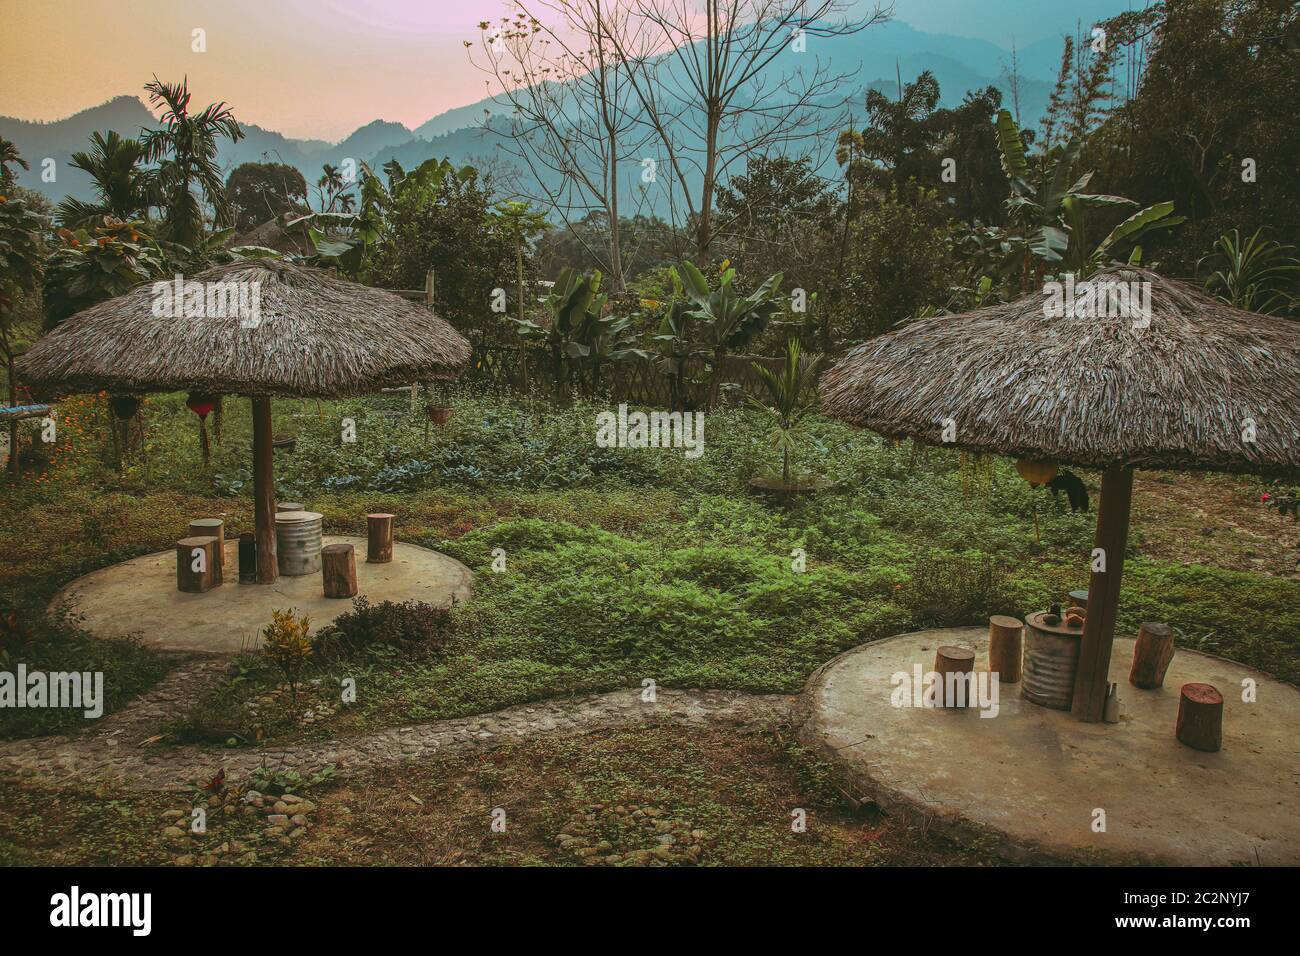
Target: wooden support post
[1151,655]
[203,527]
[958,661]
[1093,673]
[1006,648]
[197,567]
[264,492]
[247,558]
[1200,717]
[339,570]
[379,538]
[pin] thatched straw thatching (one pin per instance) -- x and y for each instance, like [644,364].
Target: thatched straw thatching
[319,336]
[272,235]
[1095,392]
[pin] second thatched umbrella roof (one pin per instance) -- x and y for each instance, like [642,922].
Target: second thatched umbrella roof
[316,336]
[1178,380]
[291,331]
[1178,392]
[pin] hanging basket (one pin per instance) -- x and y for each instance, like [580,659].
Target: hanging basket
[1037,472]
[124,406]
[201,404]
[438,414]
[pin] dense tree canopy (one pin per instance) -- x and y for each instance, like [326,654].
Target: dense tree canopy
[261,191]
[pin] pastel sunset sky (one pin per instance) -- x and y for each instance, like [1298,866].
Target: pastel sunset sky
[306,68]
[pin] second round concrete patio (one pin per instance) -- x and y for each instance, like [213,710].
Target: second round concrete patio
[1036,778]
[140,597]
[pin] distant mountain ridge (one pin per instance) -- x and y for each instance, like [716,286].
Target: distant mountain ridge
[879,57]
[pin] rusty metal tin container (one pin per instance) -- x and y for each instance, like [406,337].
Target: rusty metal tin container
[298,542]
[1051,659]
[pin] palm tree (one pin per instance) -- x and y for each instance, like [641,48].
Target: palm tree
[121,188]
[790,401]
[185,150]
[9,154]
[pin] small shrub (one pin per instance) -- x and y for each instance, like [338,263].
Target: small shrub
[288,647]
[412,627]
[278,781]
[946,590]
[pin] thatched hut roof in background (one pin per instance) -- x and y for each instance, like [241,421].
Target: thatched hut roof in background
[319,336]
[1092,391]
[272,235]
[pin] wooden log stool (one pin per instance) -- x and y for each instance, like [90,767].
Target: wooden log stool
[197,567]
[951,659]
[1006,647]
[1151,656]
[338,568]
[1200,717]
[203,527]
[379,538]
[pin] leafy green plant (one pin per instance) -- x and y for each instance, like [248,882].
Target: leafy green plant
[951,589]
[1258,275]
[287,645]
[21,249]
[674,347]
[1047,206]
[728,321]
[413,627]
[579,336]
[276,781]
[790,402]
[92,265]
[121,185]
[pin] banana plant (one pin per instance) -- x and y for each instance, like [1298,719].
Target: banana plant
[578,335]
[1083,260]
[727,320]
[675,347]
[790,402]
[1047,210]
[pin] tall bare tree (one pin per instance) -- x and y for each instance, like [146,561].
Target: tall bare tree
[718,80]
[572,109]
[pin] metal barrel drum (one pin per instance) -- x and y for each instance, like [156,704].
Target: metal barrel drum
[1051,659]
[298,542]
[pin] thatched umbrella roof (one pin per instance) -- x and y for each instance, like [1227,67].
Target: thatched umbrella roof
[1095,392]
[1190,383]
[312,334]
[318,336]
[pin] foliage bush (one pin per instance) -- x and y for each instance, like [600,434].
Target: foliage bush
[945,590]
[411,627]
[53,643]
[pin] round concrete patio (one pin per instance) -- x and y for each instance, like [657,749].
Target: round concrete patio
[139,597]
[1035,777]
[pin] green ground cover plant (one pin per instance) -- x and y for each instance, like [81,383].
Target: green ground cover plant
[620,564]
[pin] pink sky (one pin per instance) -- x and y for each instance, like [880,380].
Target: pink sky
[306,68]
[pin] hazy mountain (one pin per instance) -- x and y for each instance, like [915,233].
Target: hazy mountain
[877,57]
[371,138]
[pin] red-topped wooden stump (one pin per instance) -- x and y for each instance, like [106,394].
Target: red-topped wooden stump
[1200,717]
